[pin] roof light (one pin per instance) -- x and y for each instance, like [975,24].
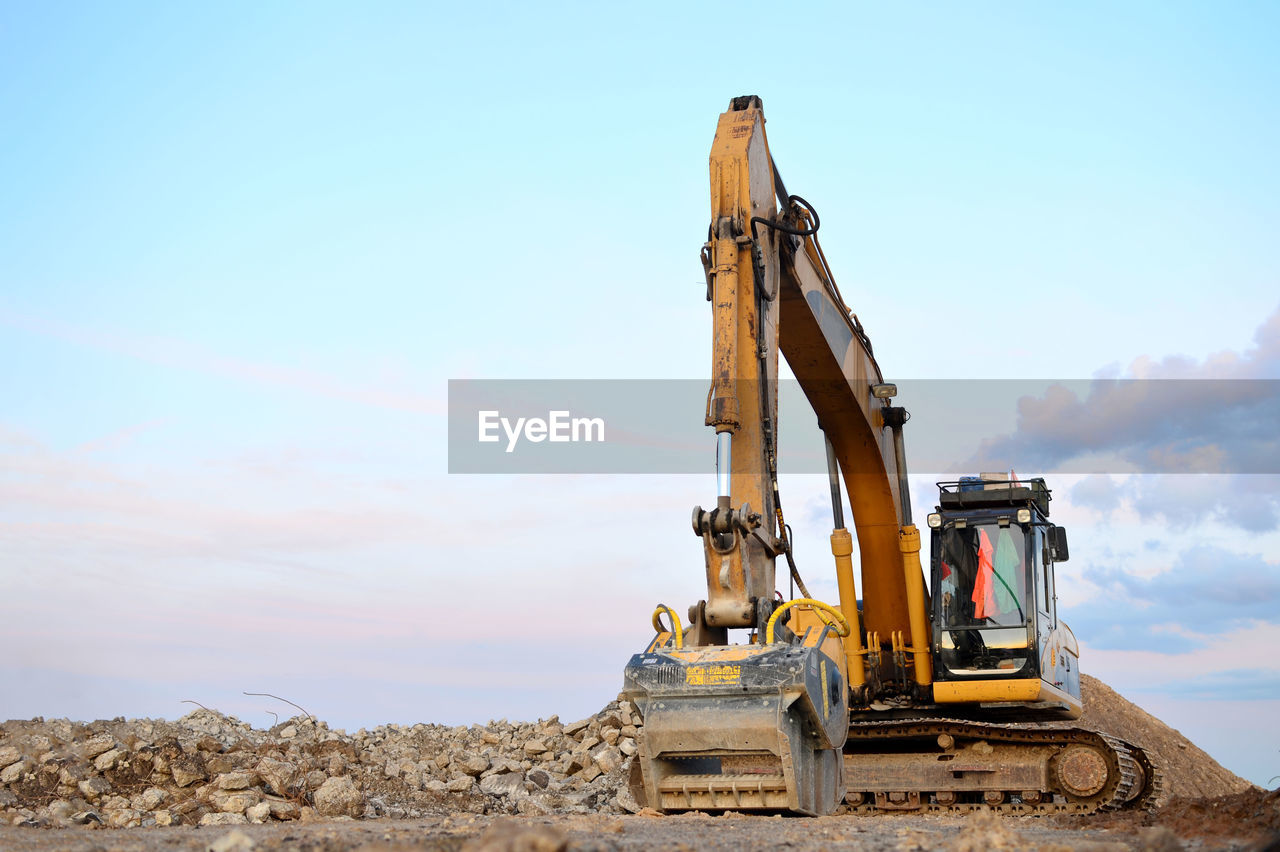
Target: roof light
[935,520]
[1024,516]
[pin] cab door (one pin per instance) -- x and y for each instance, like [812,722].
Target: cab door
[1045,618]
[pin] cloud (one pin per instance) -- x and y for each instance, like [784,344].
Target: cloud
[1250,503]
[1234,684]
[1098,492]
[1175,415]
[1206,591]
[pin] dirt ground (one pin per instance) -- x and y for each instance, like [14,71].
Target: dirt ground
[1198,826]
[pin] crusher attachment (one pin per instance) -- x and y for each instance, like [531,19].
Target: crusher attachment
[740,727]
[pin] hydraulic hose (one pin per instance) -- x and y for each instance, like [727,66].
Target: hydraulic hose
[841,626]
[677,631]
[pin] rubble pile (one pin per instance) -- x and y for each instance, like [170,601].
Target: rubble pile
[208,768]
[211,769]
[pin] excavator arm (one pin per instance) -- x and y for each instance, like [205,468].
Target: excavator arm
[772,292]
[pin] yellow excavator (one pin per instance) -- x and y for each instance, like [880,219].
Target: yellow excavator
[945,698]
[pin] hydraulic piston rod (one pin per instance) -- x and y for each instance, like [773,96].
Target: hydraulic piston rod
[724,462]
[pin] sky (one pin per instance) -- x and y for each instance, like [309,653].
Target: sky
[245,247]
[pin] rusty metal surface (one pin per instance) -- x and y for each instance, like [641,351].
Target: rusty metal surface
[1004,767]
[1081,769]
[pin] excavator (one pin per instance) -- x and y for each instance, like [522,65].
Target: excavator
[957,695]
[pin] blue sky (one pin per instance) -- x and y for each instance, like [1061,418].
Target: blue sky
[243,248]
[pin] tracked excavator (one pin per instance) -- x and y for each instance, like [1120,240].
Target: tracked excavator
[960,694]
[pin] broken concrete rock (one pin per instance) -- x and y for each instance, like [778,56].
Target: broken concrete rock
[151,799]
[502,786]
[282,777]
[224,819]
[97,745]
[234,802]
[474,765]
[607,758]
[283,810]
[108,759]
[339,796]
[15,771]
[187,771]
[94,788]
[212,769]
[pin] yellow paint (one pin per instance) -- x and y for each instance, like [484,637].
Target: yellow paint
[806,623]
[826,701]
[842,550]
[712,675]
[741,183]
[833,365]
[659,641]
[1028,690]
[973,691]
[917,614]
[719,655]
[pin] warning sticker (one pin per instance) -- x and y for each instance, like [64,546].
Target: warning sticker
[712,675]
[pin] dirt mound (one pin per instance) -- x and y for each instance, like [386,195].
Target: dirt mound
[1246,820]
[1253,815]
[1188,771]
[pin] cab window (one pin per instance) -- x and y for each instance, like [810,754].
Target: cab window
[983,576]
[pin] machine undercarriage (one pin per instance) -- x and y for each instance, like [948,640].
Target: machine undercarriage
[741,728]
[940,765]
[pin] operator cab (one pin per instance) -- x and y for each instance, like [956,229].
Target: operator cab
[994,608]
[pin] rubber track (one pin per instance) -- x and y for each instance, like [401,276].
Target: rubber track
[1122,758]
